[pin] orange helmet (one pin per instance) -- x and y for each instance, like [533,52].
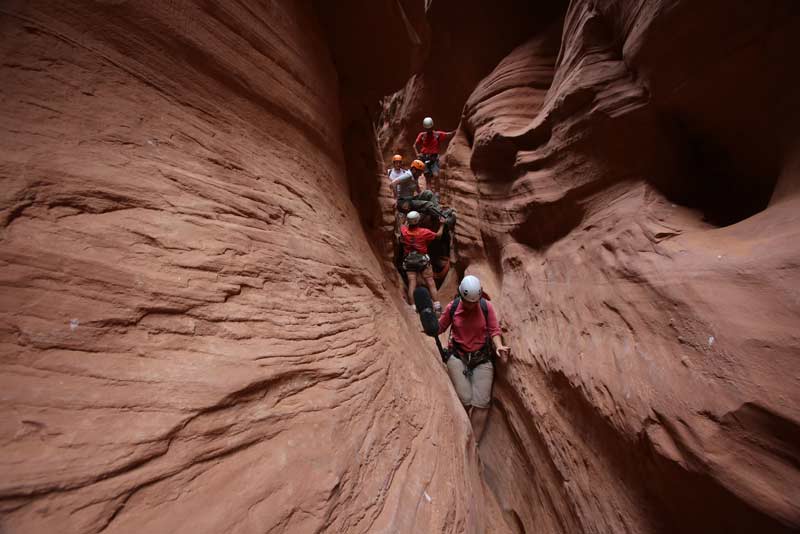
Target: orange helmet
[397,157]
[417,164]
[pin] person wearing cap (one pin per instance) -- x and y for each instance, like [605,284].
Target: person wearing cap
[415,240]
[475,339]
[395,171]
[428,146]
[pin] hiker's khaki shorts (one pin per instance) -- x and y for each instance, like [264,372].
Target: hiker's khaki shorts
[475,391]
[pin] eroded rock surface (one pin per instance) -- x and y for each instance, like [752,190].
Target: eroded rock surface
[627,188]
[196,334]
[199,334]
[467,39]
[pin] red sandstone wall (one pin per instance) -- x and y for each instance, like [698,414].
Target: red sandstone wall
[196,334]
[189,341]
[627,188]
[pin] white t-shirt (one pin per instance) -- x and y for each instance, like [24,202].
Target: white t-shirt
[395,173]
[403,181]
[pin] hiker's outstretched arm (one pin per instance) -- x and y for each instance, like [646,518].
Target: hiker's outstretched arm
[402,179]
[502,350]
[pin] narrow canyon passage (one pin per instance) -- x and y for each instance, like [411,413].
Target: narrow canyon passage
[203,328]
[636,233]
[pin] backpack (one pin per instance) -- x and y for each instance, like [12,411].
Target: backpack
[472,359]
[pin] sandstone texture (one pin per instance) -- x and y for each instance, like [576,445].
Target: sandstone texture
[196,333]
[467,38]
[627,186]
[201,329]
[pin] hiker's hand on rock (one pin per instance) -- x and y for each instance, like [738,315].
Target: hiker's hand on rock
[503,351]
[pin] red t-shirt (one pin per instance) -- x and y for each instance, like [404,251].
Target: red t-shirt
[416,239]
[469,326]
[430,141]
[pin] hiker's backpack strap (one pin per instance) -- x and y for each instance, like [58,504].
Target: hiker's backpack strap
[453,308]
[484,309]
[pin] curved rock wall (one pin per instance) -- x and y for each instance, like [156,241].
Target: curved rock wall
[196,335]
[467,39]
[627,188]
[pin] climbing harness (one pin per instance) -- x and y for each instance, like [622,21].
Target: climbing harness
[414,261]
[428,159]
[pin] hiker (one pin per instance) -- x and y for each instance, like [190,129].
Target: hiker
[395,171]
[427,204]
[415,241]
[474,340]
[407,184]
[428,146]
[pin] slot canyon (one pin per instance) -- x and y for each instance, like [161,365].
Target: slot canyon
[203,329]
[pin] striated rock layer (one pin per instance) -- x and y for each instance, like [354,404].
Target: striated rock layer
[196,335]
[627,183]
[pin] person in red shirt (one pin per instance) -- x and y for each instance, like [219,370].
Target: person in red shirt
[415,241]
[428,146]
[474,339]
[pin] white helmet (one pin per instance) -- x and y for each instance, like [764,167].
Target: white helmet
[427,122]
[412,217]
[470,289]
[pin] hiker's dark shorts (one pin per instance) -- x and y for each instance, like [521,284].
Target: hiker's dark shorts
[433,167]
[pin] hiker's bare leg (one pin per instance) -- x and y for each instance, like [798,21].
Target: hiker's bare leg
[427,275]
[412,285]
[478,417]
[434,183]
